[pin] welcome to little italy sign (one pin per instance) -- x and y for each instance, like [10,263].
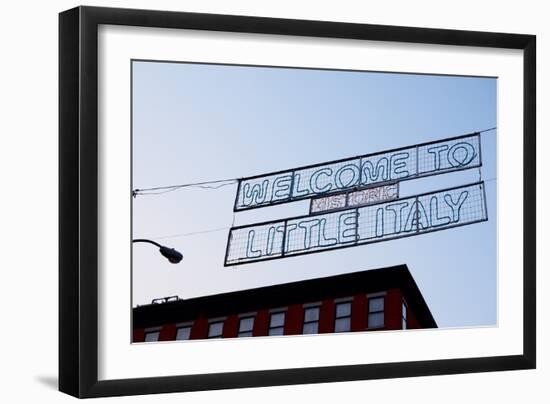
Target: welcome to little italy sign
[356,201]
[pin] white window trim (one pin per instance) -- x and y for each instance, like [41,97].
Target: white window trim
[348,299]
[278,310]
[377,294]
[249,314]
[310,305]
[216,319]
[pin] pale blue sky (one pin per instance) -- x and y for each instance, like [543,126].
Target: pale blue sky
[196,122]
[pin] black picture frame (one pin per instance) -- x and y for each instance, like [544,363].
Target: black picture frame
[78,200]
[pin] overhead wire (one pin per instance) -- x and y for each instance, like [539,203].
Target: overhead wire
[193,233]
[223,183]
[171,188]
[208,184]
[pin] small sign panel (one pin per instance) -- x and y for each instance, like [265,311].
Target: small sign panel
[411,216]
[355,198]
[332,202]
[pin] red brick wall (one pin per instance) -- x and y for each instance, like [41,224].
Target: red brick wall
[294,319]
[138,335]
[295,316]
[199,329]
[359,312]
[392,310]
[261,323]
[231,326]
[167,332]
[326,316]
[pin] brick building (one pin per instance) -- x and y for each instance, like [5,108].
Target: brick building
[380,299]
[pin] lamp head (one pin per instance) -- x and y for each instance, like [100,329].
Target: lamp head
[171,254]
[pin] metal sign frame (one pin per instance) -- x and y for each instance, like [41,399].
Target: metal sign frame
[291,198]
[357,242]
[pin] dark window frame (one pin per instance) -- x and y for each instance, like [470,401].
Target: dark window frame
[151,330]
[210,323]
[304,322]
[336,317]
[369,312]
[150,333]
[181,326]
[282,327]
[246,333]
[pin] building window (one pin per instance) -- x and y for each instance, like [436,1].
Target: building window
[342,323]
[246,324]
[215,329]
[152,335]
[404,316]
[376,312]
[183,332]
[277,323]
[311,320]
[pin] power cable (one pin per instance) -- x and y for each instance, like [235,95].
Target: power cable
[192,233]
[170,188]
[221,183]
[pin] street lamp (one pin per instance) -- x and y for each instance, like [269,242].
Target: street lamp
[171,254]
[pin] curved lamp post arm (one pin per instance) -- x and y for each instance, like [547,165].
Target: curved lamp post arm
[143,240]
[171,254]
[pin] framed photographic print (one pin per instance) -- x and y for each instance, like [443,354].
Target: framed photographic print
[250,201]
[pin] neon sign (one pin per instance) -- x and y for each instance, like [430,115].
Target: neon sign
[419,214]
[421,160]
